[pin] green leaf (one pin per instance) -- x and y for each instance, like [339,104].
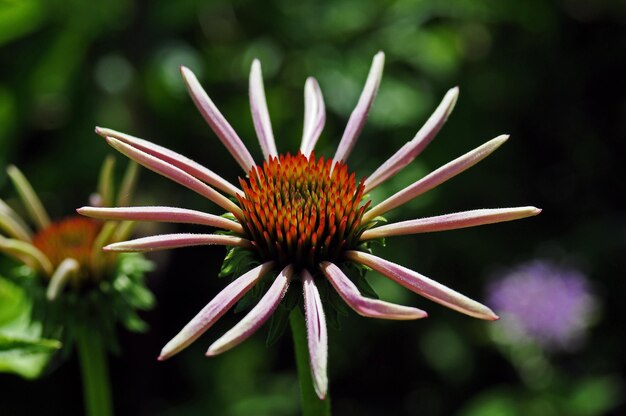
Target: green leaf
[280,317]
[27,346]
[22,349]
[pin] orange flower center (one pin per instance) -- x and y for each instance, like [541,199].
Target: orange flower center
[300,211]
[71,237]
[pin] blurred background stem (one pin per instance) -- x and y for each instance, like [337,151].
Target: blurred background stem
[310,403]
[93,366]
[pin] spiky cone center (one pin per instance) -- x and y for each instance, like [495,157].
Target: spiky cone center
[72,237]
[302,211]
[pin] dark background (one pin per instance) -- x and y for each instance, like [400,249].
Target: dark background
[548,73]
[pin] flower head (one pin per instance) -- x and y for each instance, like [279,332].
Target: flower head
[69,280]
[543,303]
[305,218]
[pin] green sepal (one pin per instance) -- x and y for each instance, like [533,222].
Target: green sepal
[238,261]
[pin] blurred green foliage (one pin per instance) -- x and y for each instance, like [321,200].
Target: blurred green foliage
[549,73]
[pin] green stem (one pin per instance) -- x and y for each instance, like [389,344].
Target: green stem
[93,366]
[310,403]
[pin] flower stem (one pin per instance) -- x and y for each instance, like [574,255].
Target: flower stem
[93,365]
[310,403]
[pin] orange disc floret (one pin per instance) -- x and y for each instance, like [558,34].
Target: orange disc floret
[72,237]
[302,211]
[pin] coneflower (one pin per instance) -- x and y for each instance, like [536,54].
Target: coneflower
[78,293]
[302,217]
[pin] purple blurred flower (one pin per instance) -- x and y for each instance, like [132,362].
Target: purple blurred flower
[542,303]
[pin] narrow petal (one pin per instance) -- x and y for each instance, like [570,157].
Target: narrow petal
[167,241]
[317,335]
[216,121]
[14,221]
[256,317]
[436,178]
[173,158]
[62,275]
[314,116]
[450,221]
[29,198]
[368,307]
[360,112]
[127,187]
[214,310]
[412,149]
[177,175]
[260,114]
[161,214]
[12,227]
[424,286]
[105,181]
[27,253]
[105,236]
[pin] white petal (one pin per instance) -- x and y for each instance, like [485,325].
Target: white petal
[161,214]
[314,116]
[450,221]
[360,112]
[168,241]
[187,165]
[317,335]
[368,307]
[424,286]
[435,178]
[216,121]
[177,175]
[256,317]
[260,114]
[412,149]
[214,310]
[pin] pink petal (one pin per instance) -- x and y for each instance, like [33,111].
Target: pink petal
[167,241]
[360,112]
[260,114]
[410,150]
[214,310]
[216,121]
[256,317]
[177,175]
[314,116]
[424,286]
[317,335]
[371,308]
[173,158]
[161,214]
[435,178]
[450,221]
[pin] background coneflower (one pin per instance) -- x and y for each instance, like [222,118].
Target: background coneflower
[78,294]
